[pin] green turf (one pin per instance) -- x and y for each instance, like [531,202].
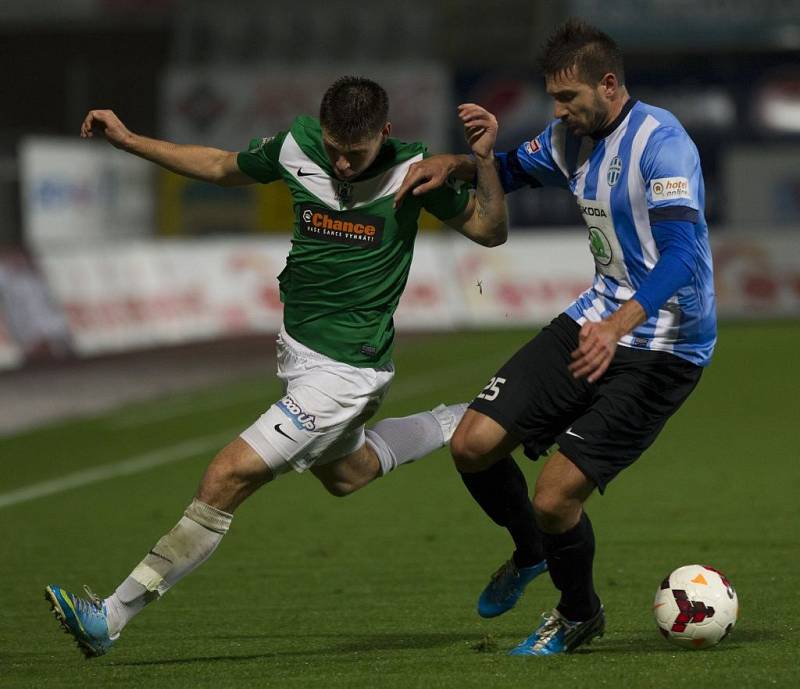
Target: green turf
[378,590]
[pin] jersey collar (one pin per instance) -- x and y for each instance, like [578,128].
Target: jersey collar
[603,133]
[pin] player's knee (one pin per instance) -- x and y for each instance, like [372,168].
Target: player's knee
[554,514]
[468,451]
[235,470]
[340,488]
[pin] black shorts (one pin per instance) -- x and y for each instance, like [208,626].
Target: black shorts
[602,427]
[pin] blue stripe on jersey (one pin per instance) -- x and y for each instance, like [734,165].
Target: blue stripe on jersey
[572,150]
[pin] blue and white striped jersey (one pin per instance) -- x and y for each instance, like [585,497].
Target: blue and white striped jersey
[642,170]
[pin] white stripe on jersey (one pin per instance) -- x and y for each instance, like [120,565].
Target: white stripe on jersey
[641,217]
[558,148]
[317,182]
[665,331]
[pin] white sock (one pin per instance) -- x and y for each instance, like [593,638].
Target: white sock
[190,543]
[401,440]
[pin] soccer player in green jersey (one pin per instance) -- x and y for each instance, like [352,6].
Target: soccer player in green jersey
[349,262]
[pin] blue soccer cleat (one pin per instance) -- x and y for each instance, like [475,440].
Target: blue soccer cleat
[506,587]
[556,634]
[86,620]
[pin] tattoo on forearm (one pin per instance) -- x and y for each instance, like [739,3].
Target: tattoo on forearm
[484,200]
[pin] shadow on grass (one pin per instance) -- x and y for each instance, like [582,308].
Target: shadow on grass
[657,645]
[398,642]
[363,643]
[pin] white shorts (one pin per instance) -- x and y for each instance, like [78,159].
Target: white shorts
[322,414]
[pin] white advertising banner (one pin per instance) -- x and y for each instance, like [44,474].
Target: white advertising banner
[757,276]
[529,280]
[432,299]
[144,294]
[227,106]
[141,294]
[76,193]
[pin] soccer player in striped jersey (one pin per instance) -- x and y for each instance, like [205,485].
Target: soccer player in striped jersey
[603,378]
[349,262]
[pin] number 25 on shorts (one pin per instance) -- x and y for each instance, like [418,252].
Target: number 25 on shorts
[492,390]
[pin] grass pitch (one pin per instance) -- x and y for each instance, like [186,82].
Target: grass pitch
[378,589]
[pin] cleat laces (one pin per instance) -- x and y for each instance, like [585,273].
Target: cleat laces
[504,580]
[93,597]
[551,625]
[91,606]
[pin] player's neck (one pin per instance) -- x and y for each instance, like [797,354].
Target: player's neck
[618,103]
[618,110]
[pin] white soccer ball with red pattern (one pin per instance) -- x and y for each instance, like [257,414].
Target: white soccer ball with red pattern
[696,607]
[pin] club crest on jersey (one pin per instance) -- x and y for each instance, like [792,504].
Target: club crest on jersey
[533,146]
[614,171]
[344,192]
[303,421]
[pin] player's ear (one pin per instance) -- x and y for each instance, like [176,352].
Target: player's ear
[386,131]
[609,84]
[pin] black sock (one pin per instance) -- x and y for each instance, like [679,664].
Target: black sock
[502,492]
[569,559]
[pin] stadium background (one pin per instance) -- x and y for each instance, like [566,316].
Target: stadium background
[137,311]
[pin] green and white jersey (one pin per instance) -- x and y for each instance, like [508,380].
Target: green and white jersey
[351,250]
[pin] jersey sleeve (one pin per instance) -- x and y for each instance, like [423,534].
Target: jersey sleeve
[533,163]
[670,168]
[675,266]
[260,160]
[448,201]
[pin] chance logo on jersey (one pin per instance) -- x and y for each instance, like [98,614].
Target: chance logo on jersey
[298,417]
[343,227]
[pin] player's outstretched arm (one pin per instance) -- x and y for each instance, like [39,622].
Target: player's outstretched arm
[431,173]
[199,162]
[485,220]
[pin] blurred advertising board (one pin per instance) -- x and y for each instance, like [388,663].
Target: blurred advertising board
[431,300]
[757,275]
[226,107]
[144,294]
[79,192]
[32,323]
[529,280]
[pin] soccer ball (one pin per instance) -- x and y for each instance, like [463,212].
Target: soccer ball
[696,607]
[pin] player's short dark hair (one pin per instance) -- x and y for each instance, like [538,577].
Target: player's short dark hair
[354,109]
[591,52]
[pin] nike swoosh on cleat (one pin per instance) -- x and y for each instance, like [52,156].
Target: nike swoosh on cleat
[300,173]
[278,429]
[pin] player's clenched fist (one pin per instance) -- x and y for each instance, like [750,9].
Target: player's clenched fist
[108,124]
[480,128]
